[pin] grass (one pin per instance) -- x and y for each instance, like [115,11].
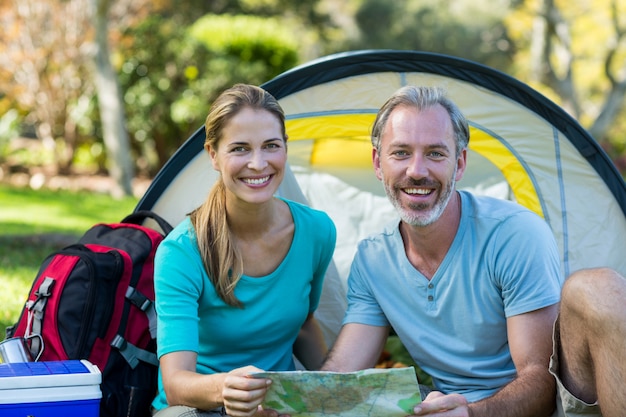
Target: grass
[34,223]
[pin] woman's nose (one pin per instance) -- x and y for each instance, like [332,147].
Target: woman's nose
[257,161]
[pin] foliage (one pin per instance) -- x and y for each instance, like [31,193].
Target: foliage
[44,68]
[248,38]
[170,72]
[9,124]
[400,356]
[168,94]
[35,223]
[431,25]
[574,52]
[153,81]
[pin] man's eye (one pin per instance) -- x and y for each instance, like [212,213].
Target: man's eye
[238,149]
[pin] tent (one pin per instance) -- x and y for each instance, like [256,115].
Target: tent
[523,147]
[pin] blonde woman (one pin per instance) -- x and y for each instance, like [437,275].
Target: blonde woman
[238,281]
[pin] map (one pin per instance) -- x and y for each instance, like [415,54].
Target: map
[373,392]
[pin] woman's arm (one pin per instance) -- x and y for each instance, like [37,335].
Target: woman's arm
[310,347]
[239,394]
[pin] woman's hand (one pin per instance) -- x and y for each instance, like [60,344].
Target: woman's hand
[243,394]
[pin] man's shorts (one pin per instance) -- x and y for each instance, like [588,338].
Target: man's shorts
[567,405]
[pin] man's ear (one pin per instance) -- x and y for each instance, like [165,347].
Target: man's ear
[461,164]
[376,162]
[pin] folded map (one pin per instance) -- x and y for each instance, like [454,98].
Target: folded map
[372,392]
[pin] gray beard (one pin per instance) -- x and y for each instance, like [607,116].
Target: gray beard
[425,218]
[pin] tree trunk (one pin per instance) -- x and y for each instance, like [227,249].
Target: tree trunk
[111,107]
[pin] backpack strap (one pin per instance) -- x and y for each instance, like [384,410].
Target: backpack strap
[35,314]
[146,305]
[139,216]
[132,353]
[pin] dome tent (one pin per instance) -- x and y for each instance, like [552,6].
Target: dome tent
[522,147]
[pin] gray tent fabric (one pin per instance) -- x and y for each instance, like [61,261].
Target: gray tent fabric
[523,147]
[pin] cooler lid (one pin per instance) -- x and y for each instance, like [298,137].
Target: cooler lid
[48,374]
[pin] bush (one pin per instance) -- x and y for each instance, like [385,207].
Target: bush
[168,94]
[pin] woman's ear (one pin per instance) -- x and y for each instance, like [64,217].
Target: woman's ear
[213,155]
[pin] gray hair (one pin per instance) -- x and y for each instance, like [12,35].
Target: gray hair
[422,98]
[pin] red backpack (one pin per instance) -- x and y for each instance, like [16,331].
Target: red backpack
[94,300]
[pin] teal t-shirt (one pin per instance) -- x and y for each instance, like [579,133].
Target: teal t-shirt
[192,317]
[503,262]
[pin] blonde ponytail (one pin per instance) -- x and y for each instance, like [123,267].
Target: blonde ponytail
[219,255]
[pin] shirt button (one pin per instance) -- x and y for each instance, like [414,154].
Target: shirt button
[430,298]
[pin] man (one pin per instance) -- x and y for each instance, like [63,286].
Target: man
[471,285]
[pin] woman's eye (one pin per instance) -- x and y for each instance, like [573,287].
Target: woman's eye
[273,145]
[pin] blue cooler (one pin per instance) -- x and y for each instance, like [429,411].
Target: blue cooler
[50,389]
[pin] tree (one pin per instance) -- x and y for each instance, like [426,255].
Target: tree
[436,26]
[44,70]
[168,94]
[575,53]
[47,68]
[60,59]
[111,106]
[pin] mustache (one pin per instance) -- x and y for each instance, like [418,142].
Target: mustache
[413,183]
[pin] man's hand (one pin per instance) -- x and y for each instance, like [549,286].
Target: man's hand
[439,404]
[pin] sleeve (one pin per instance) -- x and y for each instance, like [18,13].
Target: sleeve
[178,285]
[527,264]
[363,307]
[327,244]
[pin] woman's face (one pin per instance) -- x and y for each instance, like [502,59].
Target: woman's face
[251,155]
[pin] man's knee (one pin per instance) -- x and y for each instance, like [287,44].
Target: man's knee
[597,290]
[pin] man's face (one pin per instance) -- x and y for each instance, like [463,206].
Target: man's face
[417,163]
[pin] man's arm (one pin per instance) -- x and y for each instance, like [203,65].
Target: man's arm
[357,347]
[532,392]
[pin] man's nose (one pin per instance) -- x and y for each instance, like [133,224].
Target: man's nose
[417,167]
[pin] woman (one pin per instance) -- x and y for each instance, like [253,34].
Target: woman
[238,281]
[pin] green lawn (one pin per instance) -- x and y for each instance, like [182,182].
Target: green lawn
[35,223]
